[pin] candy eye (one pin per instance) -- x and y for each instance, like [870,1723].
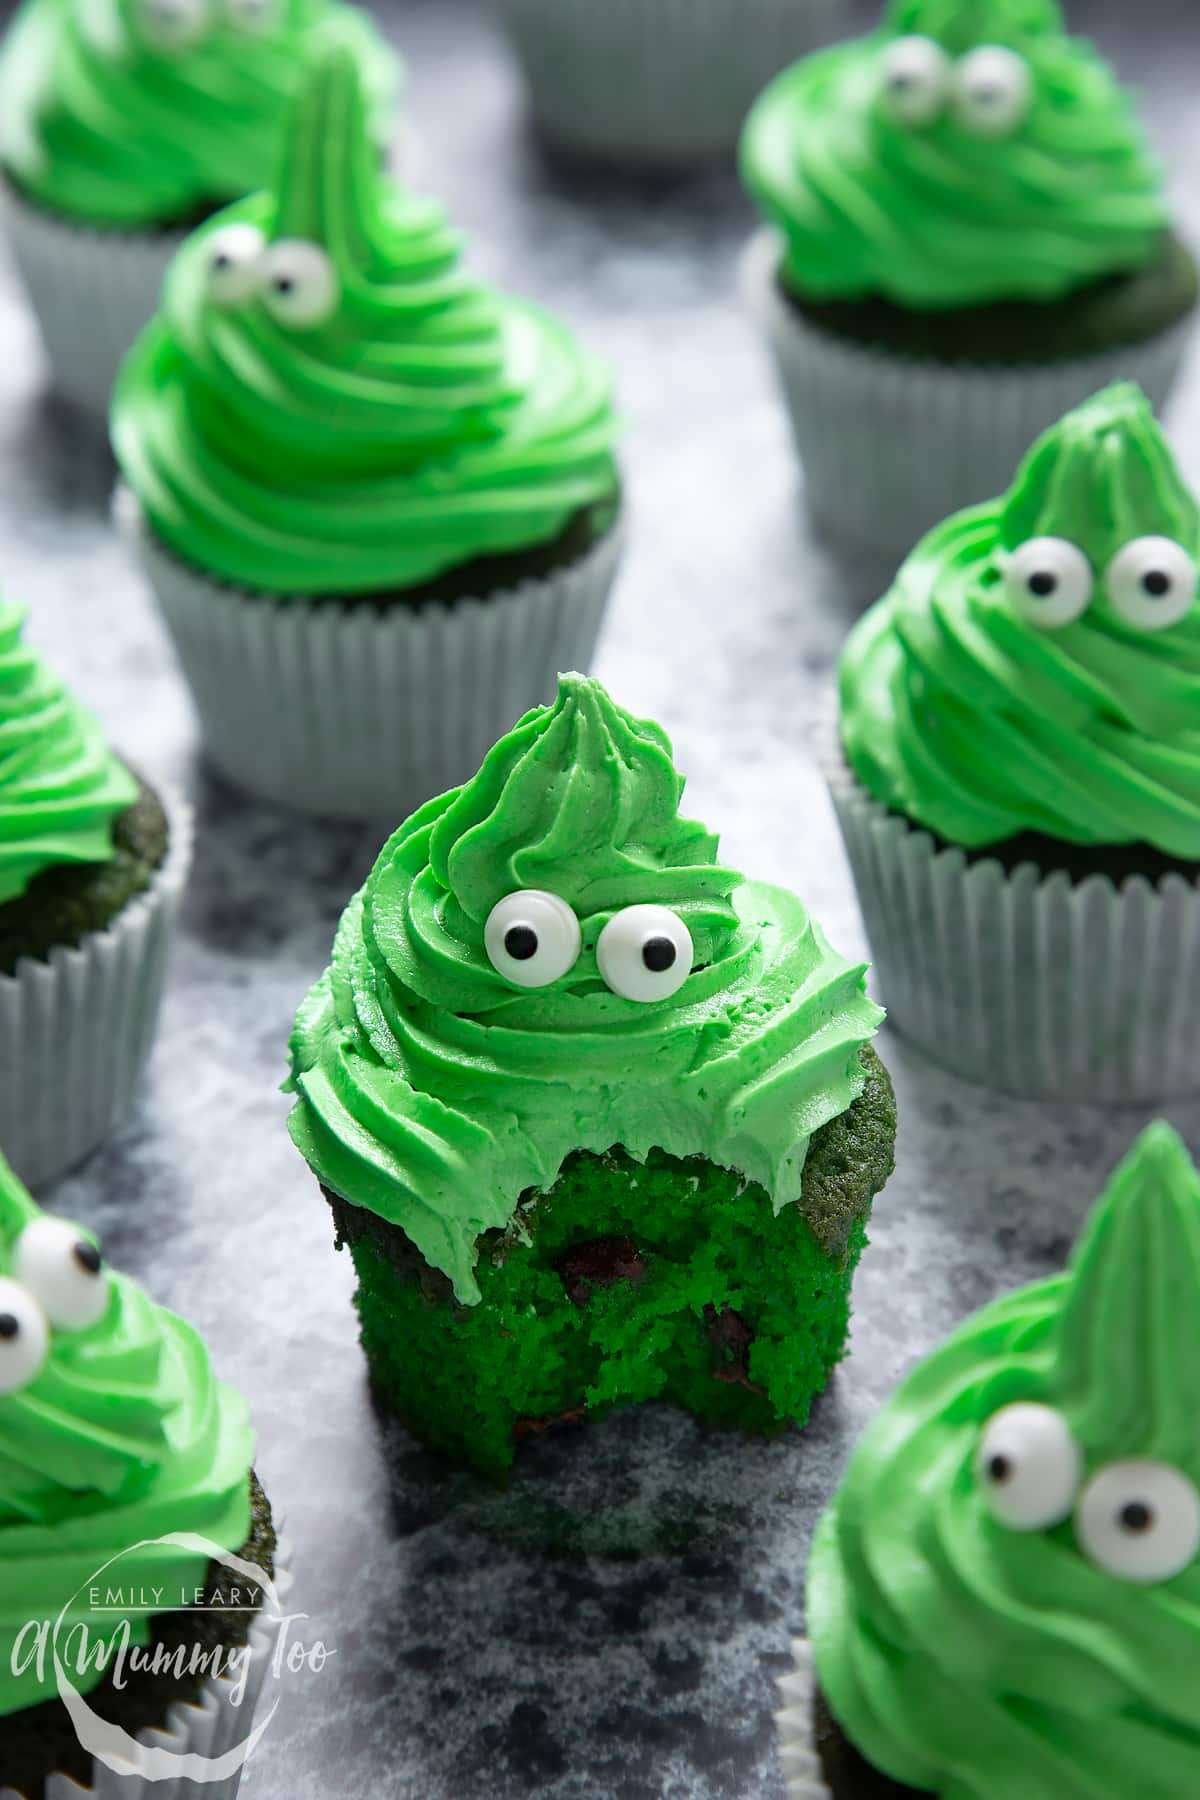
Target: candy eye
[253,15]
[1139,1521]
[1151,583]
[915,80]
[1028,1466]
[233,263]
[64,1271]
[173,24]
[993,89]
[645,953]
[532,938]
[24,1337]
[299,283]
[1049,582]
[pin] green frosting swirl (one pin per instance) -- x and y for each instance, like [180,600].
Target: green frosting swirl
[434,1093]
[426,421]
[123,1436]
[117,117]
[975,1662]
[61,787]
[936,215]
[979,725]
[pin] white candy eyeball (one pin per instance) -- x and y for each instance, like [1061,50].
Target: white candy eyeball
[64,1272]
[532,938]
[1028,1466]
[24,1337]
[253,15]
[173,24]
[645,953]
[1152,583]
[299,283]
[233,263]
[915,80]
[993,90]
[1140,1521]
[1049,582]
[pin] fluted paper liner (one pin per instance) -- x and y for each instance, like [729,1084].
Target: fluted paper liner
[797,1748]
[1025,981]
[76,1029]
[349,710]
[890,445]
[91,289]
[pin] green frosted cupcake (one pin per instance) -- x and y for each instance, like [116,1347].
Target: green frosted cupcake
[91,869]
[125,1473]
[1004,1596]
[377,500]
[598,1119]
[1018,759]
[125,124]
[969,235]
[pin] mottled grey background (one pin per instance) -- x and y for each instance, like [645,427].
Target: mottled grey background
[613,1624]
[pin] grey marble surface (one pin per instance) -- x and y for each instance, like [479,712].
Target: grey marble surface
[614,1622]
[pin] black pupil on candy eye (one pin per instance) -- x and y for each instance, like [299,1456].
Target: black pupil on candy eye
[1043,583]
[1136,1516]
[1156,583]
[88,1258]
[10,1327]
[284,284]
[521,942]
[658,954]
[999,1468]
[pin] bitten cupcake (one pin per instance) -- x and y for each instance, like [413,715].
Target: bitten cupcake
[122,126]
[1004,1596]
[1017,772]
[92,864]
[598,1118]
[969,236]
[126,1491]
[377,501]
[634,82]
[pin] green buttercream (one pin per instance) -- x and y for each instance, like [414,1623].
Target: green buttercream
[974,1662]
[104,121]
[61,787]
[426,422]
[935,215]
[435,1094]
[979,725]
[124,1435]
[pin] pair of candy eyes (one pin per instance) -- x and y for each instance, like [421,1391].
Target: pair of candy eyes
[532,938]
[1151,583]
[178,24]
[295,279]
[990,89]
[58,1282]
[1138,1520]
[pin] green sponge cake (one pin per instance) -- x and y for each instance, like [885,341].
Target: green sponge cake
[598,1119]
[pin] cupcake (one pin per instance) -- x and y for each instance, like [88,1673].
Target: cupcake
[128,1511]
[125,124]
[92,864]
[376,500]
[1004,1596]
[598,1119]
[968,236]
[659,82]
[1017,772]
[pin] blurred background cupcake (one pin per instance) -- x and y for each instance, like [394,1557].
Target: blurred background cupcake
[377,500]
[92,864]
[125,124]
[655,82]
[968,236]
[1016,771]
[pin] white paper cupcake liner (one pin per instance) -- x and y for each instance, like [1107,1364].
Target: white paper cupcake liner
[1024,981]
[92,291]
[797,1750]
[209,1726]
[890,445]
[353,711]
[76,1029]
[660,81]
